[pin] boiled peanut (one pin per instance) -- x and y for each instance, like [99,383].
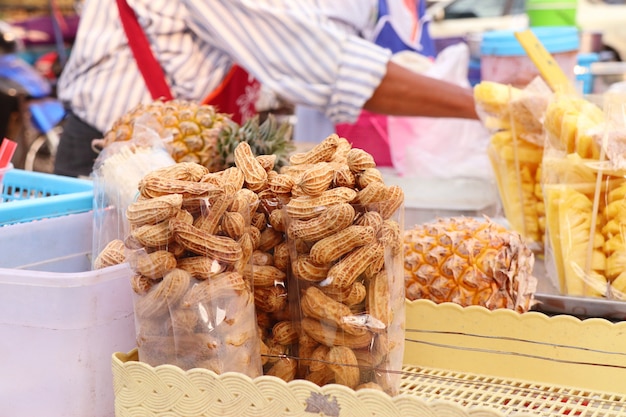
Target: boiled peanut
[316,304]
[155,186]
[153,265]
[200,267]
[379,298]
[222,248]
[359,160]
[262,258]
[233,224]
[315,180]
[270,237]
[367,176]
[234,176]
[343,362]
[112,254]
[280,183]
[332,220]
[333,247]
[322,152]
[263,275]
[343,177]
[285,333]
[185,171]
[153,235]
[282,259]
[254,173]
[167,293]
[211,216]
[345,272]
[305,269]
[329,336]
[270,299]
[226,285]
[284,368]
[267,161]
[153,210]
[392,202]
[306,207]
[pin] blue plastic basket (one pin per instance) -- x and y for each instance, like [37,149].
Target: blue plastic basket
[28,196]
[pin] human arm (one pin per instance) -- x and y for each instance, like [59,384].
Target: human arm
[403,92]
[298,52]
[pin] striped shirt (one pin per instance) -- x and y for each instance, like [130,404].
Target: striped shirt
[306,51]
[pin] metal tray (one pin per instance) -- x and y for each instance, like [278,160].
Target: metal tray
[583,307]
[549,300]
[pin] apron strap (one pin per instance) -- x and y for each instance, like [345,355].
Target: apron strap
[235,95]
[148,65]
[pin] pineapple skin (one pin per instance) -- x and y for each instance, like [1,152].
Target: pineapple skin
[469,261]
[193,132]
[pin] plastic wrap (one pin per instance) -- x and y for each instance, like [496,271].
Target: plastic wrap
[190,249]
[584,189]
[515,117]
[116,175]
[342,228]
[349,286]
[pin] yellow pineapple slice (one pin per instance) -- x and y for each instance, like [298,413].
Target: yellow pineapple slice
[469,261]
[515,164]
[575,219]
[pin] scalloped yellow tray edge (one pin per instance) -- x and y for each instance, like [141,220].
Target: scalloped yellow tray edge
[166,390]
[561,350]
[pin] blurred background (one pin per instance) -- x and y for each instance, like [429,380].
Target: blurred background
[586,37]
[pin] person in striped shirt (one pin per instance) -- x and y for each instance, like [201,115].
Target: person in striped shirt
[306,51]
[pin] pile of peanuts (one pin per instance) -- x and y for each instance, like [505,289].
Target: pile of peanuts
[316,245]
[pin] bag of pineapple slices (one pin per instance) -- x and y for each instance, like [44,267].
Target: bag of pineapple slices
[515,150]
[343,229]
[584,192]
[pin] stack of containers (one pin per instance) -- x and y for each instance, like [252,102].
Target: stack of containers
[60,321]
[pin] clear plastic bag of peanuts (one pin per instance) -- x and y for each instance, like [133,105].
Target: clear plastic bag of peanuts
[190,249]
[344,233]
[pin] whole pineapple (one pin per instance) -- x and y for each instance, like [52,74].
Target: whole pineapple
[266,138]
[198,133]
[468,261]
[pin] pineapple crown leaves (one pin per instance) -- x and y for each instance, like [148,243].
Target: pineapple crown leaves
[265,138]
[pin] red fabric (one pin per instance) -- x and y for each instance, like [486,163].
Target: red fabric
[148,65]
[236,95]
[369,133]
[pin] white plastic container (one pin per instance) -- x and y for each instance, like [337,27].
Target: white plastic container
[503,59]
[59,322]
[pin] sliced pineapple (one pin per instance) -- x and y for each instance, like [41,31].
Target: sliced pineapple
[516,164]
[570,218]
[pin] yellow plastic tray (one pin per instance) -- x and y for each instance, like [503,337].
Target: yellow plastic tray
[166,390]
[458,362]
[561,350]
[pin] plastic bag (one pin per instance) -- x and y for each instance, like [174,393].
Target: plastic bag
[190,249]
[441,147]
[346,286]
[584,197]
[515,116]
[352,322]
[116,175]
